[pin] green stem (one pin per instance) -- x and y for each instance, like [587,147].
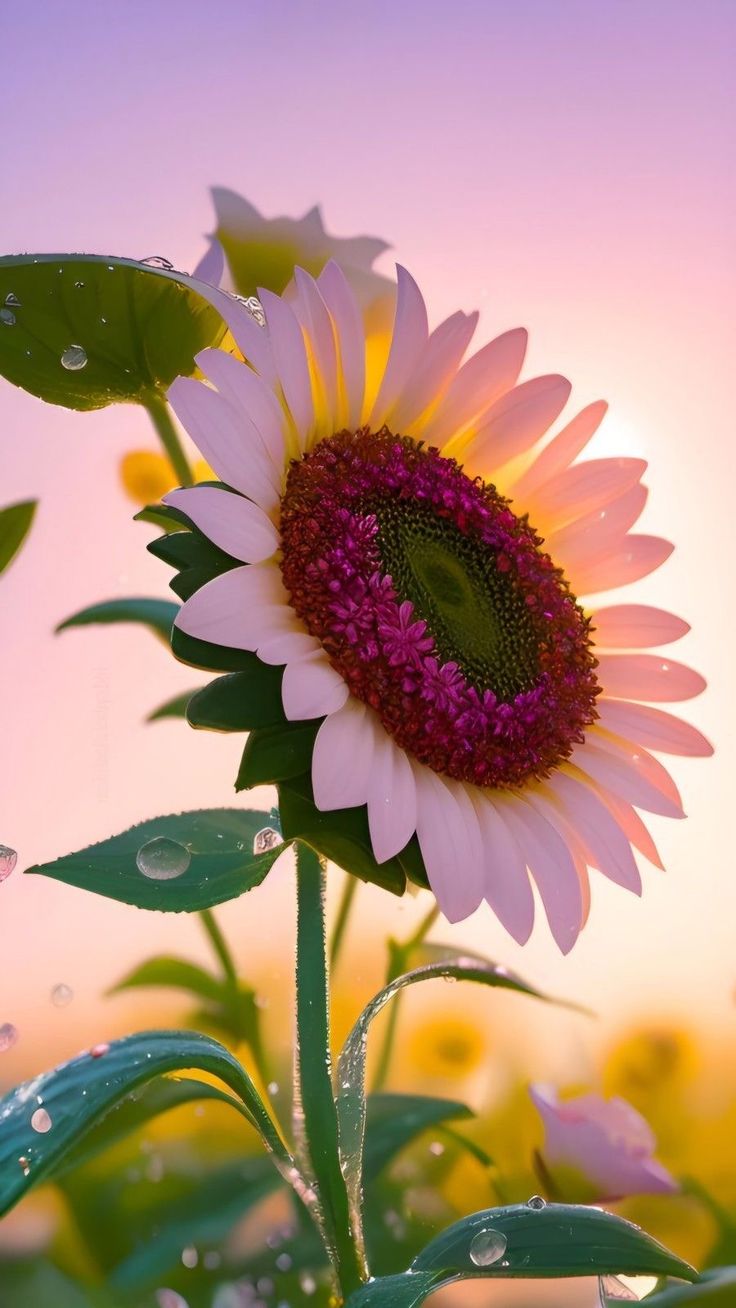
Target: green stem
[252,1035]
[158,412]
[399,955]
[343,917]
[219,944]
[316,1110]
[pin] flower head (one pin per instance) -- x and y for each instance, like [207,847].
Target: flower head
[417,558]
[598,1148]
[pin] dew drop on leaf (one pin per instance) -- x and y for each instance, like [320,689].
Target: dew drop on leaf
[162,859]
[24,1164]
[8,860]
[99,1051]
[7,316]
[8,1036]
[536,1202]
[61,995]
[12,301]
[41,1122]
[487,1247]
[265,839]
[74,358]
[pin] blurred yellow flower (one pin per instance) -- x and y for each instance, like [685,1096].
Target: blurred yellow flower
[147,475]
[649,1059]
[446,1046]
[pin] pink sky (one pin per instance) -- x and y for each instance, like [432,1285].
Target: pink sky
[567,166]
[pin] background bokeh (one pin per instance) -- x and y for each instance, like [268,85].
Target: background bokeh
[566,166]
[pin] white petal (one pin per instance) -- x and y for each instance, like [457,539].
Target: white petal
[551,865]
[652,728]
[515,422]
[237,607]
[228,441]
[286,645]
[561,450]
[317,324]
[480,382]
[408,342]
[342,758]
[233,523]
[243,387]
[348,325]
[290,354]
[606,846]
[622,777]
[451,849]
[507,887]
[434,372]
[392,804]
[311,688]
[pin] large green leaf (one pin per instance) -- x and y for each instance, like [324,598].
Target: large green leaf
[15,523]
[240,701]
[394,1120]
[203,654]
[156,614]
[213,846]
[351,1099]
[716,1288]
[547,1240]
[274,754]
[77,1095]
[342,836]
[85,331]
[195,558]
[407,1290]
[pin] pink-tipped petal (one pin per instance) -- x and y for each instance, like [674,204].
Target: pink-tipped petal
[312,689]
[480,382]
[317,324]
[551,865]
[635,557]
[231,522]
[408,343]
[433,374]
[350,340]
[245,389]
[647,676]
[507,887]
[624,778]
[561,450]
[515,422]
[290,355]
[343,758]
[451,849]
[653,728]
[629,821]
[606,845]
[392,800]
[228,441]
[636,626]
[236,607]
[597,533]
[249,336]
[646,765]
[581,489]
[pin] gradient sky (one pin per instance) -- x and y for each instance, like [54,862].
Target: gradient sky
[565,165]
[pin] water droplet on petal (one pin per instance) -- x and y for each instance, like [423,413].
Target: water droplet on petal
[41,1122]
[162,859]
[7,316]
[74,358]
[8,860]
[12,301]
[265,839]
[99,1051]
[536,1202]
[487,1247]
[189,1256]
[61,995]
[8,1036]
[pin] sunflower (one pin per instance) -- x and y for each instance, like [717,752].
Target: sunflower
[417,559]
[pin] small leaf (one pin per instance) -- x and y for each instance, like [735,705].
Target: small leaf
[172,973]
[341,836]
[15,523]
[276,754]
[75,1096]
[203,654]
[172,708]
[195,558]
[240,701]
[156,614]
[556,1240]
[218,844]
[393,1121]
[88,331]
[715,1288]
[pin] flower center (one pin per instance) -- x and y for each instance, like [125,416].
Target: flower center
[438,606]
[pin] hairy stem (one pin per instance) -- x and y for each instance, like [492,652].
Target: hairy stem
[158,412]
[343,917]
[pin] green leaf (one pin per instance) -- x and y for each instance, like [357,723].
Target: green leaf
[204,1217]
[555,1240]
[394,1120]
[240,701]
[172,973]
[156,614]
[172,708]
[715,1288]
[36,1281]
[341,836]
[276,754]
[351,1100]
[218,844]
[15,523]
[135,328]
[195,558]
[406,1290]
[203,654]
[78,1094]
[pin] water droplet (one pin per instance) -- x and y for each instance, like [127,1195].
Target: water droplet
[536,1202]
[437,1148]
[99,1051]
[162,859]
[61,995]
[79,285]
[487,1247]
[74,358]
[273,1087]
[158,261]
[12,301]
[283,1262]
[8,860]
[7,316]
[253,305]
[24,1164]
[265,840]
[41,1122]
[170,1299]
[189,1256]
[8,1036]
[624,1289]
[307,1283]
